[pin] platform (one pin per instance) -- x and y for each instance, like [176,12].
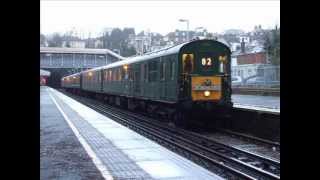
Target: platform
[61,154]
[257,103]
[118,152]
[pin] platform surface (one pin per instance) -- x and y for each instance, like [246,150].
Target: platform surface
[120,153]
[61,154]
[259,103]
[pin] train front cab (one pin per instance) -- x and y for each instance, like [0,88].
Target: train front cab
[205,76]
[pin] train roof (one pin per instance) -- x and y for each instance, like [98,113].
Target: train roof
[75,74]
[154,54]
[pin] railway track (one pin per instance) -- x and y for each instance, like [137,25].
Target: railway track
[253,139]
[246,144]
[228,162]
[261,146]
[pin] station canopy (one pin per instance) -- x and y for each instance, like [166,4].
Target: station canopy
[44,73]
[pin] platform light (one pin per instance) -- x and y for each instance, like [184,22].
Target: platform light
[74,77]
[206,93]
[90,73]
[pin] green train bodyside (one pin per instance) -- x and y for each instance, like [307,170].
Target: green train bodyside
[143,80]
[146,79]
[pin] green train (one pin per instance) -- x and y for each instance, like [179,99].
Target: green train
[172,82]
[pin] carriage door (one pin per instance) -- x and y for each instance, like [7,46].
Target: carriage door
[136,81]
[188,66]
[163,81]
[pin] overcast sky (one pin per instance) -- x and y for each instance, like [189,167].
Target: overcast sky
[157,16]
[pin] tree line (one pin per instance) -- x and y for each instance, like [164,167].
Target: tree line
[116,40]
[272,46]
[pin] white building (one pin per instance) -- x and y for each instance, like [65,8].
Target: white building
[245,39]
[74,44]
[235,46]
[98,44]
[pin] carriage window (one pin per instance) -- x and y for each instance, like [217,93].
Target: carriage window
[146,72]
[106,75]
[110,76]
[222,61]
[130,74]
[119,74]
[142,71]
[153,65]
[162,70]
[114,75]
[126,73]
[188,63]
[172,70]
[221,67]
[168,72]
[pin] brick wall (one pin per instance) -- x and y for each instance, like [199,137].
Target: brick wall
[254,58]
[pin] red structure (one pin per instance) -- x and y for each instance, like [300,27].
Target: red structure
[43,80]
[252,58]
[44,77]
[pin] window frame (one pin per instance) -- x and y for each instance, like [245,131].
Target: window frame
[162,70]
[153,70]
[184,55]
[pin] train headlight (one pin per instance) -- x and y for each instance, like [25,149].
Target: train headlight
[206,93]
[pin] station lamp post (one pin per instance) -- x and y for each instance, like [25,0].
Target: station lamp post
[187,21]
[198,28]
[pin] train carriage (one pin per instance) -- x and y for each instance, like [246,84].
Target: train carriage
[71,82]
[171,82]
[91,80]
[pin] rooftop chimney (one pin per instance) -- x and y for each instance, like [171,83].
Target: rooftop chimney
[242,46]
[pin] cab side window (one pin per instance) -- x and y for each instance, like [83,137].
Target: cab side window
[188,63]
